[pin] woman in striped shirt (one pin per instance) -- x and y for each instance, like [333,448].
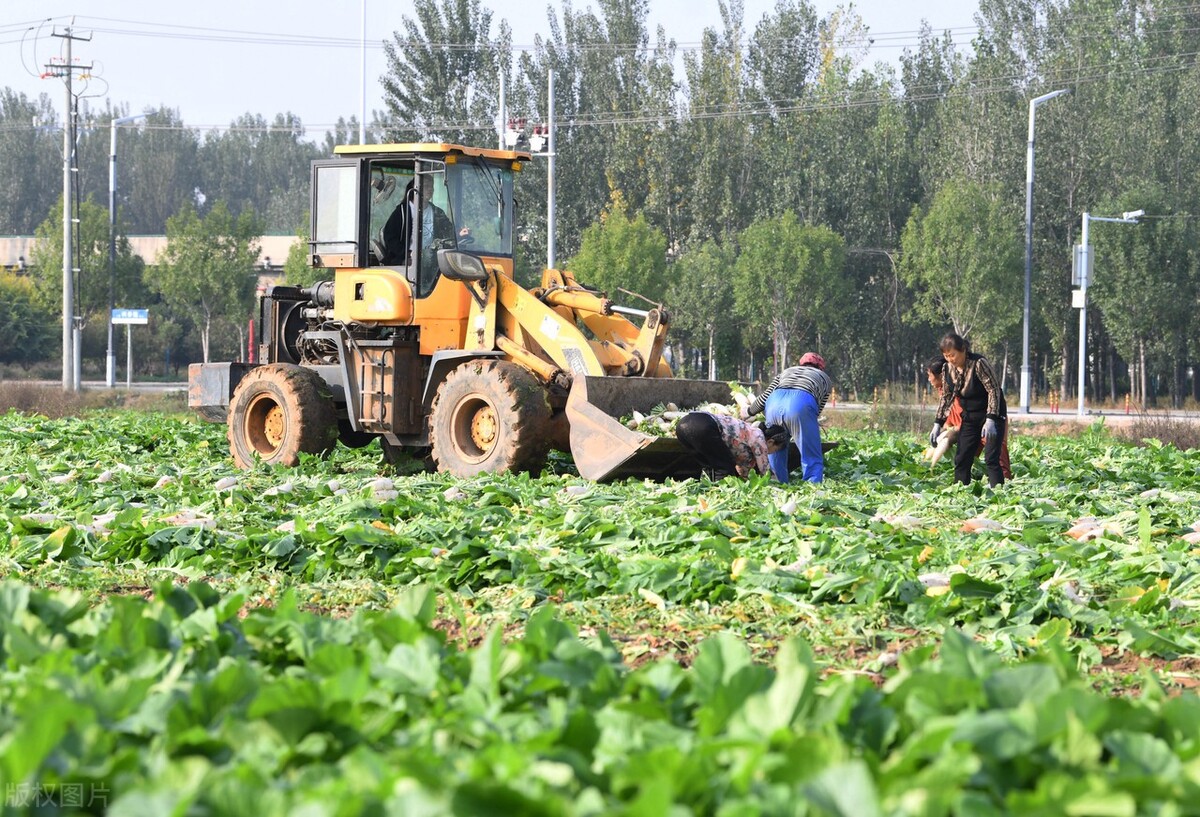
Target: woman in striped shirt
[795,399]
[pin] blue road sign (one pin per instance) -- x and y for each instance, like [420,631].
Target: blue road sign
[131,316]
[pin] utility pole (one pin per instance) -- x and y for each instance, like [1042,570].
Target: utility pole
[550,203]
[502,121]
[1085,280]
[541,143]
[67,70]
[110,366]
[1025,371]
[362,114]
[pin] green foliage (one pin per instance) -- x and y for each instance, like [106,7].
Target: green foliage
[483,655]
[701,297]
[28,324]
[716,173]
[1145,278]
[277,189]
[788,283]
[786,111]
[30,158]
[296,269]
[159,170]
[962,257]
[428,88]
[93,279]
[207,270]
[618,252]
[220,702]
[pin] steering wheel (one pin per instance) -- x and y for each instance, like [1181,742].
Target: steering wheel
[465,239]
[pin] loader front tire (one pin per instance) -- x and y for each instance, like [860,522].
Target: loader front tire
[489,416]
[278,412]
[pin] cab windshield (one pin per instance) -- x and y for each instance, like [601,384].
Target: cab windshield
[481,202]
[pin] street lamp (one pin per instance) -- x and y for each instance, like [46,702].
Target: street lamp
[1128,217]
[1033,103]
[513,137]
[362,57]
[110,368]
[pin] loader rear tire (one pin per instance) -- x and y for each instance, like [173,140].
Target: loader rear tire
[279,412]
[490,416]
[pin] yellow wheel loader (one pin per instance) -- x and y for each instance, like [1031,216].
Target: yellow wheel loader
[423,338]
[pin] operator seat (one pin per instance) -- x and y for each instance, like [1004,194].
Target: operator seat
[396,233]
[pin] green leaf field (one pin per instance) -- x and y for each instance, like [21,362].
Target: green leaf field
[179,637]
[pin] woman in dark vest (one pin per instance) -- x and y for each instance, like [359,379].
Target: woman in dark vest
[970,378]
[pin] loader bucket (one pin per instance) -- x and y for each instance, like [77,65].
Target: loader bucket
[604,449]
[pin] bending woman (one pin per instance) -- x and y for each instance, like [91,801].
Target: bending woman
[795,399]
[969,377]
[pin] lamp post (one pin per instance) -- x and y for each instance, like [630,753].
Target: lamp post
[1130,217]
[543,137]
[110,368]
[1025,375]
[550,205]
[362,57]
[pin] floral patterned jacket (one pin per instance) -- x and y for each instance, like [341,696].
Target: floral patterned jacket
[746,443]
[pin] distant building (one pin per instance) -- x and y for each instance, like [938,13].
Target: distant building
[16,251]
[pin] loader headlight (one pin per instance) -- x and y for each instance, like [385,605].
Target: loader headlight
[460,266]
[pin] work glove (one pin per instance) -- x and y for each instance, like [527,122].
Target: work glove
[989,428]
[933,435]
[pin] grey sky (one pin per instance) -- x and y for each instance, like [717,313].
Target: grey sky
[218,59]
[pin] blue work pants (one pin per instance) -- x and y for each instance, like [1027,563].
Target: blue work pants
[796,410]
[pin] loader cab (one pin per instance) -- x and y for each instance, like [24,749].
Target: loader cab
[409,218]
[394,206]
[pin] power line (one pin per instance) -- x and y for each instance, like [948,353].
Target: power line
[215,34]
[995,85]
[678,108]
[202,33]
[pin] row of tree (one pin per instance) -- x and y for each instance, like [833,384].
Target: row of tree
[201,291]
[775,189]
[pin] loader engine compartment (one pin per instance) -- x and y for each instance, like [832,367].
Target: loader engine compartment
[297,321]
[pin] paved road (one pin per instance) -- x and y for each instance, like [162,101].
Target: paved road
[1038,414]
[97,385]
[1041,414]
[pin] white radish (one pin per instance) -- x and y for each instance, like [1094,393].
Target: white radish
[281,488]
[980,523]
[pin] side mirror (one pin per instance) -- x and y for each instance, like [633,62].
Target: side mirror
[460,266]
